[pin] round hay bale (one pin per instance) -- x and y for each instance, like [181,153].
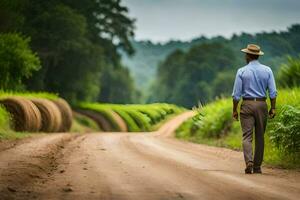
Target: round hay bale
[102,122]
[121,123]
[25,115]
[51,116]
[66,114]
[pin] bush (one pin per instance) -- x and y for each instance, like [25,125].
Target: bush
[17,61]
[213,121]
[286,132]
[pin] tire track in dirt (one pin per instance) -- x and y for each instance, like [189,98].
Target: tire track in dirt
[28,161]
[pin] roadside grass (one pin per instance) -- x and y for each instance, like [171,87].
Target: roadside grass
[46,95]
[214,126]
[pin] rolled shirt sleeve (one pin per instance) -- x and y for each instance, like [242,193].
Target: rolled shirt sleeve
[237,88]
[271,85]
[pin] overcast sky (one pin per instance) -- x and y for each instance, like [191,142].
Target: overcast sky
[162,20]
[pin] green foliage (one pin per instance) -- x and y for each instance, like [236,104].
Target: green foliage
[213,125]
[117,86]
[289,73]
[186,78]
[17,61]
[75,40]
[286,131]
[149,56]
[223,83]
[213,120]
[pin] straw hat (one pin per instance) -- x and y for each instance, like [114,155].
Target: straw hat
[253,49]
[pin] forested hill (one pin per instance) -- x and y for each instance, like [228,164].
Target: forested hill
[207,70]
[143,64]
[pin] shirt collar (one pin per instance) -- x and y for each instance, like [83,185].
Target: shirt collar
[254,62]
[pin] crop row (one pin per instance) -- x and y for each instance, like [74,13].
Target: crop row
[132,117]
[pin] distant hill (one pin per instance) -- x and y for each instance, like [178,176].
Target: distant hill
[143,64]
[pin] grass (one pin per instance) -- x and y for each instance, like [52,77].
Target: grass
[46,95]
[214,126]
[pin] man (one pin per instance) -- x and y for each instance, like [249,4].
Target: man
[251,84]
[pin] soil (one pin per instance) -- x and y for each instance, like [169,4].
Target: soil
[134,166]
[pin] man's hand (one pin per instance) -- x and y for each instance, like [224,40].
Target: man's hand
[272,113]
[235,115]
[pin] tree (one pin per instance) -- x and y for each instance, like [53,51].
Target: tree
[222,85]
[17,61]
[117,86]
[187,78]
[75,39]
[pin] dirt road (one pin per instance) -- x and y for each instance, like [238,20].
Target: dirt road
[133,166]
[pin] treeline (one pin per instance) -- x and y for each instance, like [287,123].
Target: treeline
[207,70]
[76,44]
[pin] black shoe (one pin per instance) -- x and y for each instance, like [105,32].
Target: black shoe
[249,168]
[257,170]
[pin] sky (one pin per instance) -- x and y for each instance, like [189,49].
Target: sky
[164,20]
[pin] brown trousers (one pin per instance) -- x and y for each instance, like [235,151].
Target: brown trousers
[253,116]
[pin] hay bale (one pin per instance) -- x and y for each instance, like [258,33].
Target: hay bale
[119,120]
[51,116]
[25,115]
[102,122]
[66,114]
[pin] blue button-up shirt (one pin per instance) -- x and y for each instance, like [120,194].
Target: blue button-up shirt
[253,81]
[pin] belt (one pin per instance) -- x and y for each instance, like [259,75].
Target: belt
[255,99]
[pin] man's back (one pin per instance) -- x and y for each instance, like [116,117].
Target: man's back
[253,81]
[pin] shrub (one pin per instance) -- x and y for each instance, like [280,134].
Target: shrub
[286,131]
[214,120]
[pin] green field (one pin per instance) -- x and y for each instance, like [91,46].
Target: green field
[214,126]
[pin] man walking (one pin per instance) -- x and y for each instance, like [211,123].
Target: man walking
[251,84]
